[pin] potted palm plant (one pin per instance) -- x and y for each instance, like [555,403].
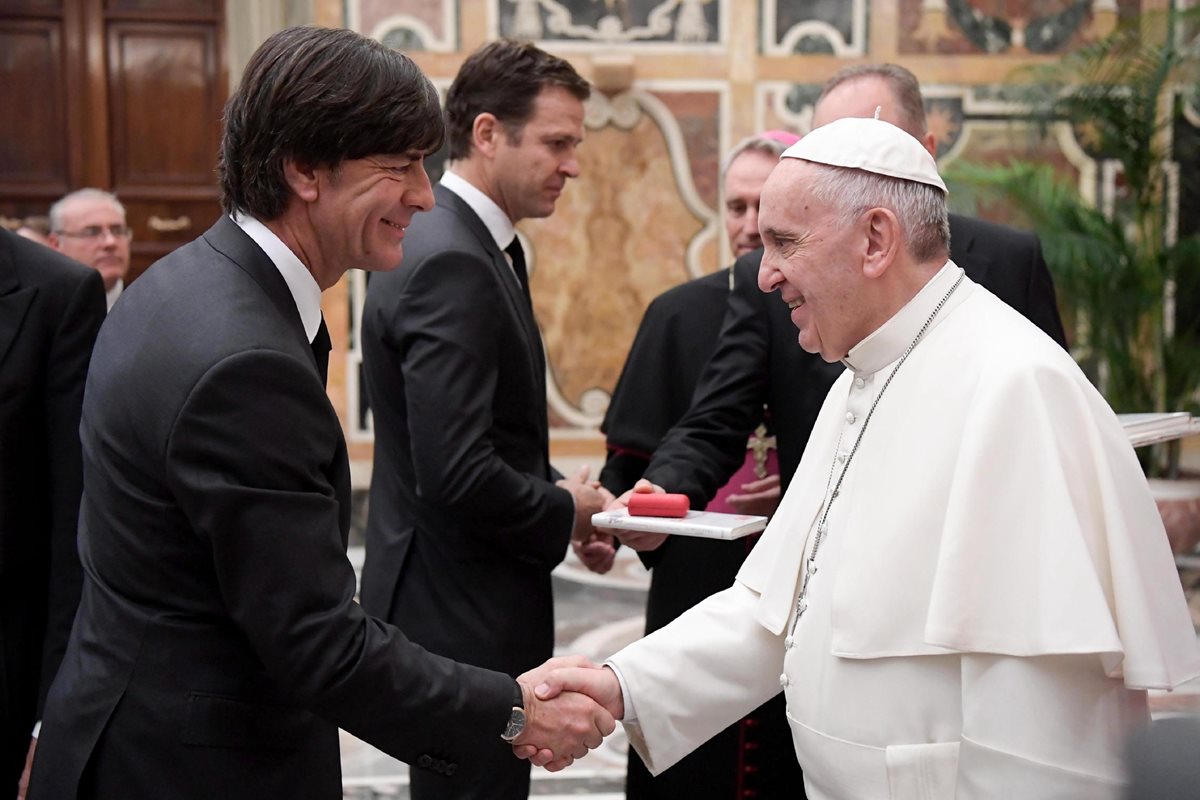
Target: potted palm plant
[1129,286]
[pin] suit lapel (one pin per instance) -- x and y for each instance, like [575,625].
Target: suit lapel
[14,301]
[232,242]
[512,289]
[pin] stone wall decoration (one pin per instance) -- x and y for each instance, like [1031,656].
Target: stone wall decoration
[632,226]
[837,27]
[408,25]
[1023,27]
[612,22]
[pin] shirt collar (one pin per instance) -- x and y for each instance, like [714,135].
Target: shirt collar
[494,219]
[890,339]
[300,282]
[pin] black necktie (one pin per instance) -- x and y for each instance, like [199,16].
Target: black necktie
[321,345]
[517,254]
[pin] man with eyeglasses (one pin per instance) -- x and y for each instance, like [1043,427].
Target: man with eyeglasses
[89,226]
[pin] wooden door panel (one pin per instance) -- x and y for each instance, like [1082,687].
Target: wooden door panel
[34,158]
[16,7]
[166,104]
[191,8]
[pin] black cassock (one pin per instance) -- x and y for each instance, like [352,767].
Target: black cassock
[753,757]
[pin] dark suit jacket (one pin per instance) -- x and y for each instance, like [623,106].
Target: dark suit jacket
[51,308]
[465,522]
[758,360]
[218,646]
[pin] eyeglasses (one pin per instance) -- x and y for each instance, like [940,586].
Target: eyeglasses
[96,231]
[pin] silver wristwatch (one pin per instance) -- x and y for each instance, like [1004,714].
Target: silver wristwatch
[516,720]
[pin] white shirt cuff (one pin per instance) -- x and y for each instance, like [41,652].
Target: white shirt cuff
[630,714]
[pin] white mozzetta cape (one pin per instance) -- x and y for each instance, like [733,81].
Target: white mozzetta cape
[997,507]
[994,510]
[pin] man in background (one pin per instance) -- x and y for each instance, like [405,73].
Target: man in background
[467,517]
[673,343]
[50,311]
[89,226]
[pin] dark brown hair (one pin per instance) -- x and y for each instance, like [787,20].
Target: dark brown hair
[320,96]
[503,78]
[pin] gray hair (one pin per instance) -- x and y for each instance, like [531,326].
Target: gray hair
[59,208]
[920,208]
[752,144]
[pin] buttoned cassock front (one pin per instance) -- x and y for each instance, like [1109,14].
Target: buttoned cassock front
[994,591]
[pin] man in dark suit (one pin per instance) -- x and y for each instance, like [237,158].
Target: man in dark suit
[467,518]
[50,310]
[757,360]
[218,647]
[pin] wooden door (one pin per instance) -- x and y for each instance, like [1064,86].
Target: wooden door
[125,95]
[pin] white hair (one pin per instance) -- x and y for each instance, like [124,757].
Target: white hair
[919,207]
[59,208]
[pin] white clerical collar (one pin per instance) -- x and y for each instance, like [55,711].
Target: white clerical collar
[494,219]
[300,282]
[889,340]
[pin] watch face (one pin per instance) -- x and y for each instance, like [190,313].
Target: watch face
[516,724]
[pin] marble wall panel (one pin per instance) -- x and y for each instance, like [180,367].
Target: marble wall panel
[409,25]
[611,22]
[1007,26]
[632,226]
[838,27]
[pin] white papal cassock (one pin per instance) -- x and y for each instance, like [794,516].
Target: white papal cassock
[993,596]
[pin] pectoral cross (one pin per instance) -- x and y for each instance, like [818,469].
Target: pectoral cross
[758,444]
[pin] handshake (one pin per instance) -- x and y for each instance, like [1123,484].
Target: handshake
[571,704]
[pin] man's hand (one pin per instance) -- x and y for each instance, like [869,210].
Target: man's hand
[597,553]
[562,725]
[638,540]
[590,498]
[760,498]
[598,684]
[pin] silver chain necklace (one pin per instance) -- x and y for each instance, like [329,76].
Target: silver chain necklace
[810,568]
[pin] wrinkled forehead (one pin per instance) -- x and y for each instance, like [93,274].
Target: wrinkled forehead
[785,198]
[93,208]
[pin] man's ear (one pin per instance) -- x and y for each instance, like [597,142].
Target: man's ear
[485,133]
[884,239]
[301,179]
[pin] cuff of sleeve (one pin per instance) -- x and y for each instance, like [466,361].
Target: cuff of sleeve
[630,713]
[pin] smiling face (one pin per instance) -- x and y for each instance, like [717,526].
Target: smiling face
[743,186]
[531,169]
[93,232]
[362,208]
[814,259]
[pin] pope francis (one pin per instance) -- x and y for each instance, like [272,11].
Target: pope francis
[967,590]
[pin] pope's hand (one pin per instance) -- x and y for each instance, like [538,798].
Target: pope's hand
[599,684]
[760,497]
[560,726]
[638,540]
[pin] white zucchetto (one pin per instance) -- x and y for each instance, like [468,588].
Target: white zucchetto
[868,144]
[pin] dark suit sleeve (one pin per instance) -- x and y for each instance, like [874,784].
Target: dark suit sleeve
[1042,303]
[248,474]
[450,358]
[66,370]
[700,454]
